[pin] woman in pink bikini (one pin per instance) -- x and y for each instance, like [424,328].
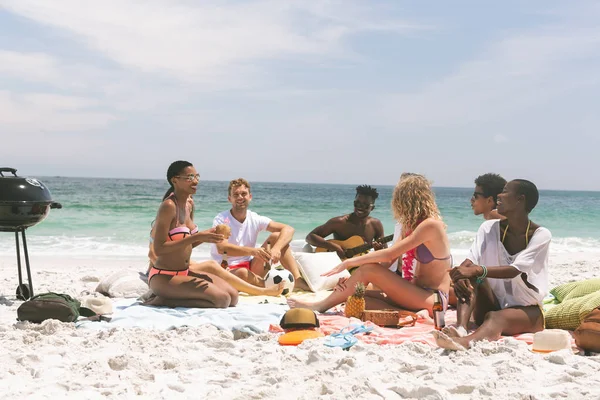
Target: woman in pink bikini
[175,234]
[423,237]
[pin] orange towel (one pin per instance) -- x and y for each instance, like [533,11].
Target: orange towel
[420,333]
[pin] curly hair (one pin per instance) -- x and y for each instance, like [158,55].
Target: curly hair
[413,201]
[491,184]
[367,190]
[237,182]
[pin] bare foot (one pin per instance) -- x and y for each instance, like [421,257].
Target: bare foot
[274,290]
[454,332]
[301,285]
[446,342]
[298,303]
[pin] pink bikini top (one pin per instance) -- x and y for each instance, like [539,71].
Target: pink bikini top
[181,232]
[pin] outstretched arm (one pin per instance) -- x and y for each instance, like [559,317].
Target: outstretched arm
[427,230]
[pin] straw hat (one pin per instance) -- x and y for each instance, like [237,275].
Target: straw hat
[100,305]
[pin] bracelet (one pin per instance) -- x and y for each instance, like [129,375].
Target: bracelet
[480,278]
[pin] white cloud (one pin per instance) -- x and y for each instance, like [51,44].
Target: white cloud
[37,113]
[500,139]
[522,71]
[35,67]
[204,42]
[162,53]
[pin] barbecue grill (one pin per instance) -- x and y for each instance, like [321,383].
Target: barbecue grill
[24,202]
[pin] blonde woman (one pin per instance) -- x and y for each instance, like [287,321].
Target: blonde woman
[423,234]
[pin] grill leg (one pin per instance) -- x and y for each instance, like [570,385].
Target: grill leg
[27,264]
[18,258]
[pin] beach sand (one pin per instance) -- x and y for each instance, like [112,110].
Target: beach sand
[55,360]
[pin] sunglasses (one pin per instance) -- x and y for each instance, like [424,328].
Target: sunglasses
[477,194]
[190,177]
[362,206]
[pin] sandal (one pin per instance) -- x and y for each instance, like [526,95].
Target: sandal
[354,329]
[345,340]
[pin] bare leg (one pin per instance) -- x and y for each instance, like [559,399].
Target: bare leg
[481,302]
[288,262]
[248,276]
[452,300]
[400,291]
[509,321]
[236,282]
[377,300]
[193,291]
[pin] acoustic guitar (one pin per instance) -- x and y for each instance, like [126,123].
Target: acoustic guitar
[354,245]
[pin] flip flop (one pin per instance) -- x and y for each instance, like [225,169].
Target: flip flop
[345,341]
[354,329]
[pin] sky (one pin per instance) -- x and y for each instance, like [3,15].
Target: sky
[303,91]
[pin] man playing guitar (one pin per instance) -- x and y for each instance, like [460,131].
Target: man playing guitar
[345,227]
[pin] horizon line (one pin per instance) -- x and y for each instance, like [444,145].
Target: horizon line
[309,183]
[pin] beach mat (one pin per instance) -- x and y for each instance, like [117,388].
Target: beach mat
[333,322]
[249,316]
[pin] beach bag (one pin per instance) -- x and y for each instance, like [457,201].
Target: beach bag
[587,335]
[52,306]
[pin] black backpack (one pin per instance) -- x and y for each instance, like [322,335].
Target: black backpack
[52,306]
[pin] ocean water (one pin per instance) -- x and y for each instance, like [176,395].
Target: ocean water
[110,218]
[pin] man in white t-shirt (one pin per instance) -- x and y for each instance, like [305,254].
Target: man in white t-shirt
[243,257]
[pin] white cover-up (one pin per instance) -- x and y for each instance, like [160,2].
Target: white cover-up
[488,250]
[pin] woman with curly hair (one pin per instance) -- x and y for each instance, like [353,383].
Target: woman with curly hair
[423,236]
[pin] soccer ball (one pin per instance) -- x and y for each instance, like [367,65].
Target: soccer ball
[279,274]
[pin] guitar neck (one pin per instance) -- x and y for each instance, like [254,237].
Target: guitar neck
[367,246]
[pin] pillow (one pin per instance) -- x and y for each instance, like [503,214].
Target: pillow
[312,265]
[570,313]
[587,335]
[122,284]
[573,290]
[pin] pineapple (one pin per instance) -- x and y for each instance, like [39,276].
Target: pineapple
[355,305]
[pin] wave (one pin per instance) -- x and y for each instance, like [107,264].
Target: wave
[111,247]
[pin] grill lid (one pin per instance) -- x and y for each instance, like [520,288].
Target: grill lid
[17,189]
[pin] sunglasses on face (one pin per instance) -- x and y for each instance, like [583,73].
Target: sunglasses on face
[362,206]
[190,177]
[478,194]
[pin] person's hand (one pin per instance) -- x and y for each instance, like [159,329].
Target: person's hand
[377,245]
[341,285]
[339,250]
[335,270]
[261,253]
[463,289]
[275,255]
[208,236]
[464,272]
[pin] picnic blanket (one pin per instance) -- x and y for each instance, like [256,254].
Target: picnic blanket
[421,333]
[259,314]
[248,316]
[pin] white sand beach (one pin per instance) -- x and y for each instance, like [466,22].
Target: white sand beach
[56,360]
